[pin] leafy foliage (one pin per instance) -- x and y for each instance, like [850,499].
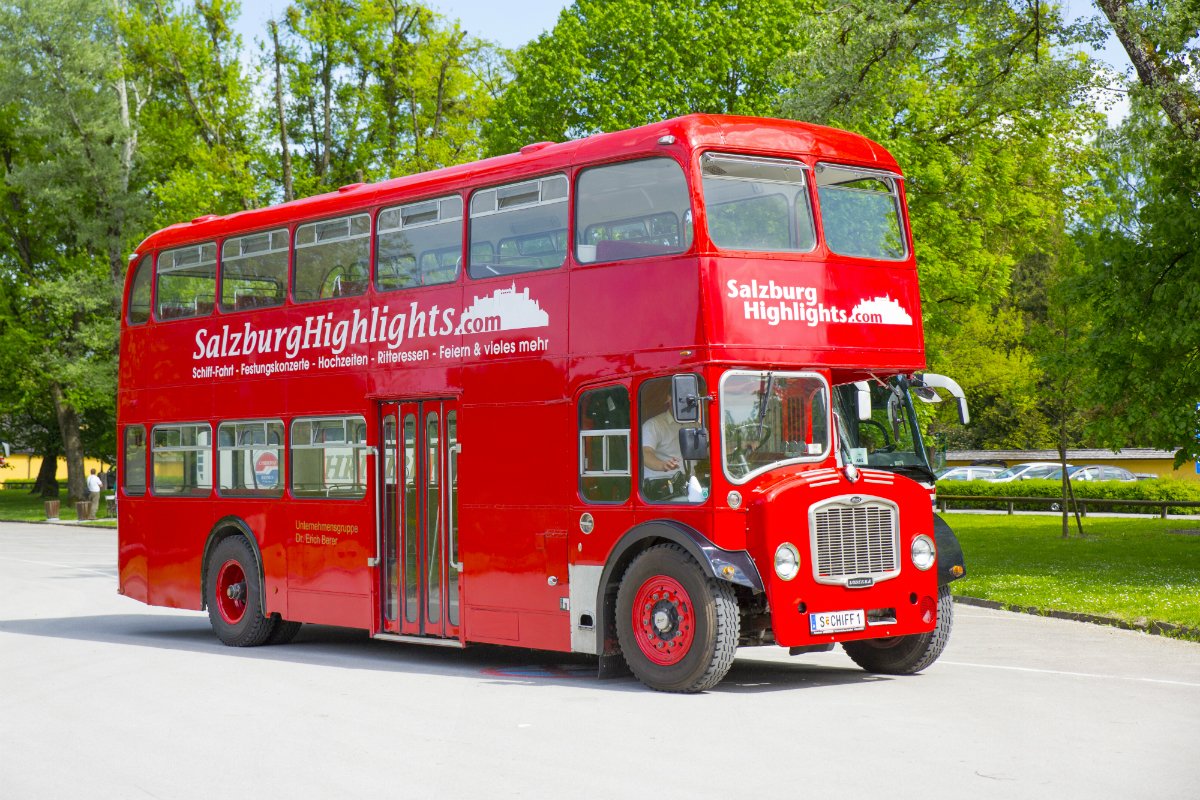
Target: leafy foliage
[612,64]
[1144,245]
[378,89]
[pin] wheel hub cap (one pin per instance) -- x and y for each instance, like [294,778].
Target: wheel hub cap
[663,620]
[231,592]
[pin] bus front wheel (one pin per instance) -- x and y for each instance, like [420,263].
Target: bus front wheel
[233,593]
[678,628]
[906,655]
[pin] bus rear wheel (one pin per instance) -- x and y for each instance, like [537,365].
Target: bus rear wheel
[906,655]
[233,594]
[678,628]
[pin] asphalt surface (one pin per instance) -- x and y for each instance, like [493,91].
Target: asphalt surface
[102,697]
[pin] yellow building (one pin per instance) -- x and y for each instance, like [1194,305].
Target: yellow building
[24,467]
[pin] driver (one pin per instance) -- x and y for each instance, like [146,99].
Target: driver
[662,461]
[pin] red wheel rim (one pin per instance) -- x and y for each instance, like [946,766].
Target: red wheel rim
[231,592]
[664,622]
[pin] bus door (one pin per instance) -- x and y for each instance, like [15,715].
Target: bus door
[421,562]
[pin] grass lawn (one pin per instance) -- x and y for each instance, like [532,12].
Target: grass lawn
[20,505]
[1131,569]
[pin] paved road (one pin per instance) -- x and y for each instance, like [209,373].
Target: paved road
[102,697]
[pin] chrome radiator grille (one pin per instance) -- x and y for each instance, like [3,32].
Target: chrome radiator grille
[854,540]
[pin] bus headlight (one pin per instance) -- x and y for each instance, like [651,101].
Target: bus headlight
[787,561]
[923,552]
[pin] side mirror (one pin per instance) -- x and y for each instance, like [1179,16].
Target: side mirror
[685,397]
[693,444]
[932,379]
[862,394]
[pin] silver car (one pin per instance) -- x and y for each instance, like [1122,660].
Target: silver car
[1028,471]
[969,473]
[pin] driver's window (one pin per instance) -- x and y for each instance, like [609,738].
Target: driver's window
[666,477]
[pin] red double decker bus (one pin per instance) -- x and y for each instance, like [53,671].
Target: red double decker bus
[609,396]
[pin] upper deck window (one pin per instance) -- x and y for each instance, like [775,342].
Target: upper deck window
[519,228]
[139,293]
[636,209]
[419,244]
[187,281]
[254,270]
[758,204]
[333,258]
[860,212]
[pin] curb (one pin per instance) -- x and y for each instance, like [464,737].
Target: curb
[1142,624]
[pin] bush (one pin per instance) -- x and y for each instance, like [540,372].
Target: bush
[1159,489]
[15,484]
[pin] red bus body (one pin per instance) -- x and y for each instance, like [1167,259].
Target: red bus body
[537,565]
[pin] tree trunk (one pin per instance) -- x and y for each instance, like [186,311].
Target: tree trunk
[1174,97]
[46,484]
[68,424]
[285,154]
[1062,461]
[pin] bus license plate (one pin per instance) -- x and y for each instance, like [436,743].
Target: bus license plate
[837,621]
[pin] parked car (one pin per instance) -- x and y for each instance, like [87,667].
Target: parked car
[1027,471]
[1094,472]
[970,473]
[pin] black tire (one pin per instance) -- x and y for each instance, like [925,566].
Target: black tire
[235,609]
[906,655]
[695,623]
[284,630]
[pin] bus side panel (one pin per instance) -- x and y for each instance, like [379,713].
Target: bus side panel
[176,532]
[131,549]
[663,312]
[328,544]
[513,535]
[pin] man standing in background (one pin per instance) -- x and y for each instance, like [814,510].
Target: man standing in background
[94,486]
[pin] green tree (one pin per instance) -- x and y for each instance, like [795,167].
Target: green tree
[199,145]
[1144,246]
[69,145]
[612,64]
[371,90]
[985,107]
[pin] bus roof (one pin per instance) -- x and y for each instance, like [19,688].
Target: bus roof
[692,132]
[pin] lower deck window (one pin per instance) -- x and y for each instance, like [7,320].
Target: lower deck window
[329,457]
[250,458]
[181,456]
[604,473]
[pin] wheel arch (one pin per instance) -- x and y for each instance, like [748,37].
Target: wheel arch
[731,566]
[225,528]
[950,562]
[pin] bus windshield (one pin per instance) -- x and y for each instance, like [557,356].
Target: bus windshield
[772,418]
[891,438]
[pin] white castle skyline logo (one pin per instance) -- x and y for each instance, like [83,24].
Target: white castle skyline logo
[884,310]
[504,309]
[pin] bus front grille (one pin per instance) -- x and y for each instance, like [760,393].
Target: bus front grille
[855,538]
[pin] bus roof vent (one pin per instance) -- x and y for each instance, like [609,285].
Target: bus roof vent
[533,148]
[203,218]
[349,187]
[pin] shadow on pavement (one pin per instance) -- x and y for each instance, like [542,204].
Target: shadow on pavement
[345,648]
